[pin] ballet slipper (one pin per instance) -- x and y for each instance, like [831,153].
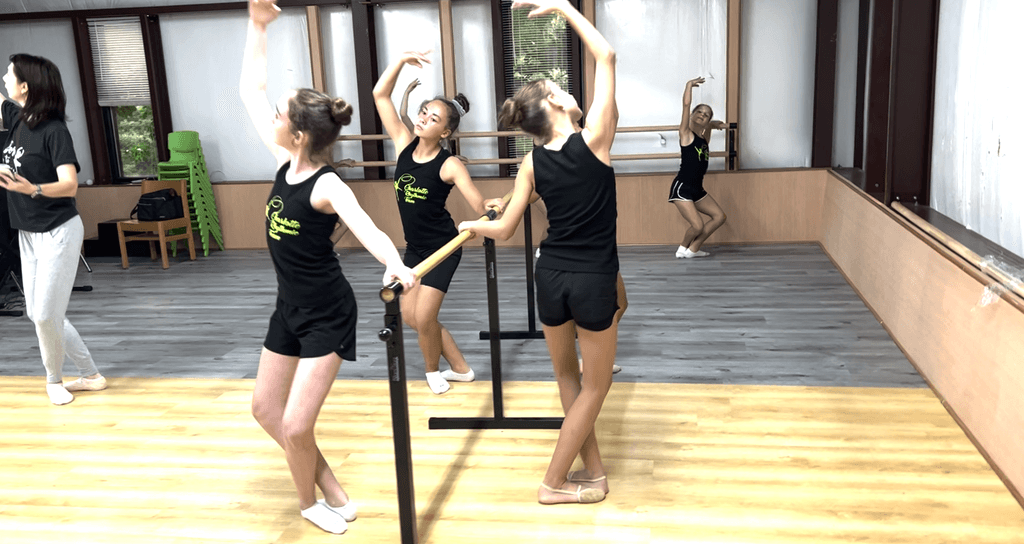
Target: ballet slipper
[583,495]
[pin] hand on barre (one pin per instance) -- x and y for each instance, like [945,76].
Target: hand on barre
[402,274]
[496,204]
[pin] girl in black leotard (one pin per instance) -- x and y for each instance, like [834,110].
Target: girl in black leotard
[687,191]
[313,328]
[424,176]
[578,262]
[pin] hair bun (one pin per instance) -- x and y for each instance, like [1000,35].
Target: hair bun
[511,115]
[462,101]
[341,111]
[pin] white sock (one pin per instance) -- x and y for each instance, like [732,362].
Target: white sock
[58,395]
[453,376]
[325,518]
[348,511]
[436,383]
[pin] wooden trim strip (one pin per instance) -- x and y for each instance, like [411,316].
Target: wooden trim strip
[1009,282]
[316,48]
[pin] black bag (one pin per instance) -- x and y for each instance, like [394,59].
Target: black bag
[159,206]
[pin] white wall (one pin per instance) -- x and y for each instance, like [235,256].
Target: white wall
[203,56]
[776,82]
[660,45]
[54,39]
[474,77]
[977,144]
[340,67]
[843,127]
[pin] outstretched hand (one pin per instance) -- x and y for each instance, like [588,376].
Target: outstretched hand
[541,7]
[695,82]
[263,12]
[416,58]
[412,85]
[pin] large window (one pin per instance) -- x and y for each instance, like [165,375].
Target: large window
[122,86]
[538,48]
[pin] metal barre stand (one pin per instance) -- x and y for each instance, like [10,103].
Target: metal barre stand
[531,318]
[391,334]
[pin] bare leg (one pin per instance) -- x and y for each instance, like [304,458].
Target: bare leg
[581,405]
[690,214]
[275,380]
[709,207]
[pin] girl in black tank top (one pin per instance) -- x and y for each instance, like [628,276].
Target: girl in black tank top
[314,324]
[424,176]
[572,173]
[687,192]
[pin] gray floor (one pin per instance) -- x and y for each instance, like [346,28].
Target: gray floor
[778,314]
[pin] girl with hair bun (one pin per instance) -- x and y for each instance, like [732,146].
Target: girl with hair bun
[424,177]
[571,171]
[313,327]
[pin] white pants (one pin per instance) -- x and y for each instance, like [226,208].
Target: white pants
[49,262]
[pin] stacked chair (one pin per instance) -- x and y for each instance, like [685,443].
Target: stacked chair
[187,163]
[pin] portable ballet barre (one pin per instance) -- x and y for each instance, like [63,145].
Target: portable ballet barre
[391,334]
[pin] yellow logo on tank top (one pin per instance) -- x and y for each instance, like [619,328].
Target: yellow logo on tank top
[279,224]
[405,189]
[703,153]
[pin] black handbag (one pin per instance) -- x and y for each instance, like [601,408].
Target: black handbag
[159,206]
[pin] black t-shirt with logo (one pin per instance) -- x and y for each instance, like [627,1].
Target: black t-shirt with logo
[35,154]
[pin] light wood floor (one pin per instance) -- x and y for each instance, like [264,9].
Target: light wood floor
[160,461]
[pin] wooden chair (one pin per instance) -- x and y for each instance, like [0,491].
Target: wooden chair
[156,231]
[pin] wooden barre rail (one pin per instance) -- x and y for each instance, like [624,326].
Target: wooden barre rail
[1009,282]
[640,157]
[393,289]
[507,133]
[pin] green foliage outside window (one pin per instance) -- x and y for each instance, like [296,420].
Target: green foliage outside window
[541,51]
[137,141]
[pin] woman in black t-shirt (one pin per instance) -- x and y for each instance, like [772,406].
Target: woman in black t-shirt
[40,171]
[424,176]
[578,264]
[313,327]
[687,192]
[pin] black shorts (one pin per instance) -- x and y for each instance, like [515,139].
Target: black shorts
[298,331]
[441,276]
[587,298]
[686,191]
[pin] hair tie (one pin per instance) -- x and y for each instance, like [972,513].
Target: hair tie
[458,108]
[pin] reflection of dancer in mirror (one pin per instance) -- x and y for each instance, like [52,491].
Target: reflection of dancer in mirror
[687,191]
[314,325]
[578,264]
[41,175]
[424,177]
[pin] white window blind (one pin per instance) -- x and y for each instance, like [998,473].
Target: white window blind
[119,60]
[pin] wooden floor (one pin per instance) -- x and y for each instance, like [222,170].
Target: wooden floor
[161,461]
[780,315]
[760,402]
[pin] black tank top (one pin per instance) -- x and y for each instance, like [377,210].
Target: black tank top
[693,163]
[299,238]
[421,195]
[579,192]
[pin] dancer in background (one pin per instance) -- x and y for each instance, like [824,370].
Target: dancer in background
[41,175]
[576,272]
[424,177]
[687,192]
[313,327]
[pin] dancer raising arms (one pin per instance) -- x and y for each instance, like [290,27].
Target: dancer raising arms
[687,191]
[41,175]
[314,325]
[424,177]
[579,262]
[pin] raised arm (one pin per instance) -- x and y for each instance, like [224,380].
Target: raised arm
[331,195]
[389,117]
[403,110]
[505,226]
[685,134]
[603,117]
[252,86]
